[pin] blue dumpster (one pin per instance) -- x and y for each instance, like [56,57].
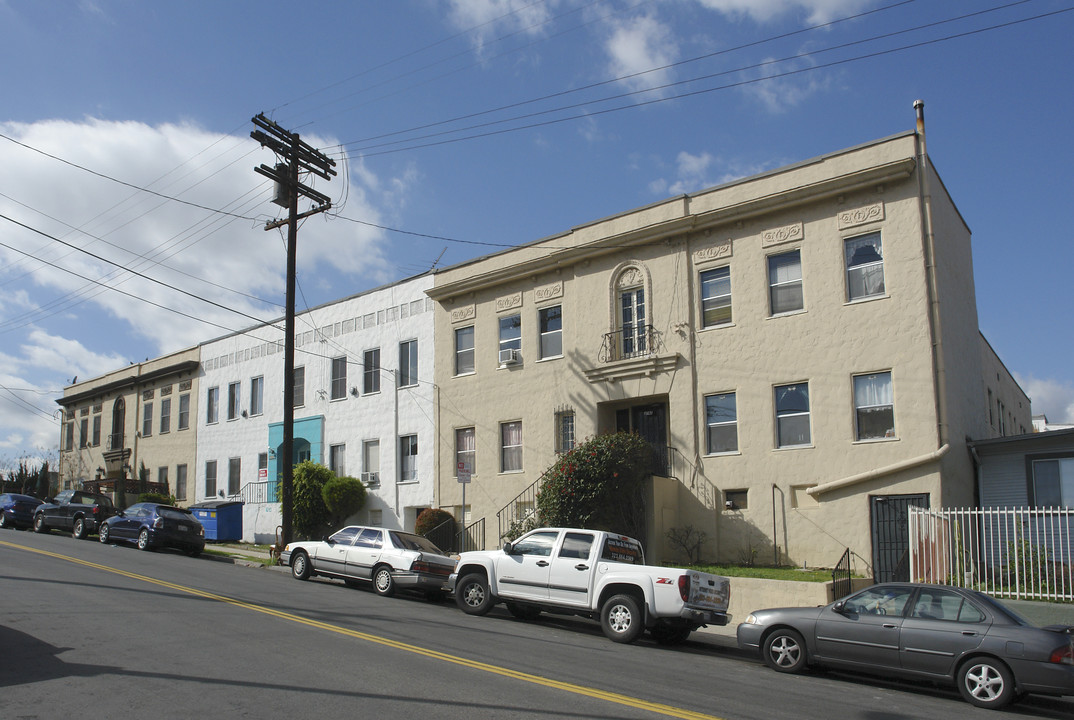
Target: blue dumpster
[222,519]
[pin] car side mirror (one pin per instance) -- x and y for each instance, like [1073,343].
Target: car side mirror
[840,607]
[121,514]
[328,540]
[507,548]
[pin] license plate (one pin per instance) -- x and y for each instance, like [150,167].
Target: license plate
[184,528]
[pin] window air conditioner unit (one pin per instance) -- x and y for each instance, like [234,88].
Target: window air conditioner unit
[371,479]
[510,356]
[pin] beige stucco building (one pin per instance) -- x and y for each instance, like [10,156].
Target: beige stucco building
[141,415]
[801,347]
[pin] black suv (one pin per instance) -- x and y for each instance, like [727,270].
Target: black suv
[79,511]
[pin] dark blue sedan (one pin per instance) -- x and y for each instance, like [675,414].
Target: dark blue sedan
[17,511]
[152,525]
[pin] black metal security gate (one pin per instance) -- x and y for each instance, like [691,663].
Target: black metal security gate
[891,535]
[841,583]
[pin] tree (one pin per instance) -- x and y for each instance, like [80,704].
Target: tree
[599,485]
[430,519]
[343,496]
[309,515]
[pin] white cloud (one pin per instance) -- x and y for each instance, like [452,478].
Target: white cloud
[638,45]
[487,20]
[816,11]
[209,255]
[695,172]
[1054,398]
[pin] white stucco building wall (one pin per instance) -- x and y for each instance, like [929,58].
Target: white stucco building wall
[359,423]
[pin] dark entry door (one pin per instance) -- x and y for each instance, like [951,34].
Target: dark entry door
[891,535]
[649,421]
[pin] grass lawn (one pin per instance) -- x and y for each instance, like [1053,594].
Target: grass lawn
[767,573]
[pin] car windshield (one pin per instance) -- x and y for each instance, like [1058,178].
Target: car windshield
[407,541]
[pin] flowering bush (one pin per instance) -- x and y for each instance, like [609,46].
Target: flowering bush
[598,485]
[431,518]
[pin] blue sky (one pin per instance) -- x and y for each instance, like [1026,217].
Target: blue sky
[471,125]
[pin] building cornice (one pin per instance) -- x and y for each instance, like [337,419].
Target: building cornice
[128,381]
[683,220]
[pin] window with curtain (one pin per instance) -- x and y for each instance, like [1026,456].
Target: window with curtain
[300,387]
[339,378]
[632,322]
[550,320]
[511,446]
[337,459]
[721,423]
[865,266]
[874,406]
[165,415]
[408,363]
[785,282]
[716,297]
[147,419]
[464,350]
[408,458]
[371,462]
[184,411]
[1053,482]
[792,415]
[465,448]
[180,482]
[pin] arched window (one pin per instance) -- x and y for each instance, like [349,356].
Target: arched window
[115,440]
[631,293]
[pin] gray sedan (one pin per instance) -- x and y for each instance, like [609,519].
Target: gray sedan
[933,632]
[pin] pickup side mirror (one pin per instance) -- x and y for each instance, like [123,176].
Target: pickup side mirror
[507,548]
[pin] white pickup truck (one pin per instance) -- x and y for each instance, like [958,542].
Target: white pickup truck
[595,574]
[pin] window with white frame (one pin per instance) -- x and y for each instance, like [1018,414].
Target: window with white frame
[874,406]
[721,423]
[234,396]
[212,405]
[165,415]
[1053,482]
[257,395]
[865,266]
[465,449]
[371,462]
[371,371]
[210,478]
[511,333]
[147,419]
[792,415]
[550,320]
[785,282]
[339,378]
[337,459]
[716,297]
[408,363]
[234,475]
[184,411]
[408,458]
[511,446]
[464,350]
[632,324]
[565,438]
[299,387]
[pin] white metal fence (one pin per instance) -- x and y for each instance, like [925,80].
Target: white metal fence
[1022,553]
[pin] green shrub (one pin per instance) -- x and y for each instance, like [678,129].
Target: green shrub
[309,515]
[598,485]
[153,497]
[431,518]
[343,496]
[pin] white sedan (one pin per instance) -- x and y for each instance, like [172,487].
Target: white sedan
[390,559]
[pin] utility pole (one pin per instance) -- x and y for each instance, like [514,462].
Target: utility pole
[296,156]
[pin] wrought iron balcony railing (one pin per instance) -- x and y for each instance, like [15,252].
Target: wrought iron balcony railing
[625,343]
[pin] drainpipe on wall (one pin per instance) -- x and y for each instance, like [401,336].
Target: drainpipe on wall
[939,373]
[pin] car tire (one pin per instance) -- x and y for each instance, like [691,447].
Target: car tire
[3,521]
[473,596]
[78,530]
[143,539]
[39,524]
[102,534]
[621,619]
[784,651]
[523,611]
[670,634]
[300,566]
[986,683]
[383,582]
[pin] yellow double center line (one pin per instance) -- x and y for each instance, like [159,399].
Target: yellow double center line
[611,697]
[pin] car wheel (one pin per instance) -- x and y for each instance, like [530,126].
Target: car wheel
[784,651]
[143,539]
[523,611]
[671,634]
[383,582]
[103,534]
[300,566]
[78,531]
[621,619]
[986,683]
[473,596]
[39,524]
[3,521]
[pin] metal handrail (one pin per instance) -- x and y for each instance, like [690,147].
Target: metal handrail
[640,341]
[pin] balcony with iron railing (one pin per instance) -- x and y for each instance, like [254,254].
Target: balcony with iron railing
[636,351]
[626,343]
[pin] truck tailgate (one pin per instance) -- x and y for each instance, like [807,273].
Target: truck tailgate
[709,592]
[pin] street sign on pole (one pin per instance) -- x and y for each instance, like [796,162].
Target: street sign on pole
[462,471]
